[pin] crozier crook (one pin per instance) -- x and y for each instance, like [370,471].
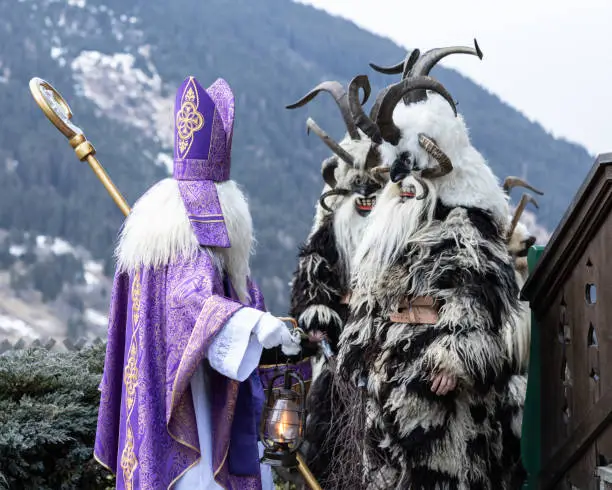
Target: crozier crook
[58,112]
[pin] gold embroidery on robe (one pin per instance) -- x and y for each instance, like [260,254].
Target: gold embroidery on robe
[130,379]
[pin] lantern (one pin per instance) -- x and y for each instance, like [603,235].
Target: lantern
[283,421]
[282,425]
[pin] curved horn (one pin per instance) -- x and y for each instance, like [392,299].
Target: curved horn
[328,169]
[362,121]
[426,62]
[333,192]
[380,170]
[384,117]
[525,199]
[339,95]
[424,186]
[333,146]
[512,182]
[445,164]
[404,67]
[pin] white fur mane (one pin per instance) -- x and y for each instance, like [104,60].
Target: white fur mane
[157,232]
[472,182]
[392,226]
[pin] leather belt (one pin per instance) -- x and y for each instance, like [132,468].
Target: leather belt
[421,310]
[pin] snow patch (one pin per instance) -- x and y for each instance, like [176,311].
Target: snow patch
[126,93]
[16,327]
[17,250]
[56,52]
[96,318]
[5,73]
[77,3]
[55,245]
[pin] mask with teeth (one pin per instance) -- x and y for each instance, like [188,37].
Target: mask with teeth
[349,173]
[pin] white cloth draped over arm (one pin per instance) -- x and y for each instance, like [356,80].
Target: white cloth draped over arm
[235,353]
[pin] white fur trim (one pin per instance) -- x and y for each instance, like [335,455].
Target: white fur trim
[321,314]
[157,232]
[471,183]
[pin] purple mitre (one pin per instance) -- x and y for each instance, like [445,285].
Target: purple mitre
[203,129]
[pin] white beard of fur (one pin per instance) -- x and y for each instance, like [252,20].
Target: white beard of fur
[349,229]
[392,225]
[472,182]
[157,232]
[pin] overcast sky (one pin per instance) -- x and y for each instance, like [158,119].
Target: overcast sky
[550,59]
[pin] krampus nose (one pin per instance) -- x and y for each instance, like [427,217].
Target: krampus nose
[366,189]
[399,170]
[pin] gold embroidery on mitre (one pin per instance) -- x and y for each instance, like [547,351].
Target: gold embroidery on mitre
[128,459]
[188,119]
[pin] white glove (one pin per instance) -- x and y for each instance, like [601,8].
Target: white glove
[270,332]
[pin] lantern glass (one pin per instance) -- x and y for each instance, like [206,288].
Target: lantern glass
[283,423]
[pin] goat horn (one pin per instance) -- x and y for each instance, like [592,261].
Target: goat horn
[426,62]
[339,95]
[445,164]
[425,187]
[328,168]
[384,117]
[404,67]
[525,199]
[333,192]
[380,170]
[333,145]
[512,182]
[361,119]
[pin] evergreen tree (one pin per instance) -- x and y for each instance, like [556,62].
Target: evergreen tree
[48,416]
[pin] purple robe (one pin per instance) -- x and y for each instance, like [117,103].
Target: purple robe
[161,325]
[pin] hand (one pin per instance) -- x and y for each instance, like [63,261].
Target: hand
[271,332]
[443,383]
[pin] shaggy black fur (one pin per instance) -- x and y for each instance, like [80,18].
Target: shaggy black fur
[322,286]
[480,289]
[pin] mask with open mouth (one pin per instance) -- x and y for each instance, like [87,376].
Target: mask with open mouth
[367,189]
[364,205]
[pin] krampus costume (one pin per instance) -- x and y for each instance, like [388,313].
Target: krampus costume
[320,289]
[320,292]
[518,335]
[433,285]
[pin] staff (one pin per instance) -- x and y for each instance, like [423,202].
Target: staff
[57,110]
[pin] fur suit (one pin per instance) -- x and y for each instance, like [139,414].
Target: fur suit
[436,234]
[517,334]
[320,287]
